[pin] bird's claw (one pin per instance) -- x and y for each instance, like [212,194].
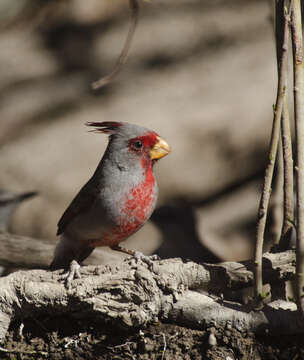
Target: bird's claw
[148,259]
[72,273]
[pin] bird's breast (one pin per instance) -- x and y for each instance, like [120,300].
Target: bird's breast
[135,208]
[138,204]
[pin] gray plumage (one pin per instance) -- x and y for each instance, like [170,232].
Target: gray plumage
[95,214]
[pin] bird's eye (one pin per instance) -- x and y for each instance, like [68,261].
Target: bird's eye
[137,145]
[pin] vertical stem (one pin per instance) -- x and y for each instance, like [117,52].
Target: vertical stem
[276,203]
[286,138]
[282,231]
[288,179]
[275,135]
[297,44]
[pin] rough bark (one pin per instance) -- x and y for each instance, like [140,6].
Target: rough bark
[134,294]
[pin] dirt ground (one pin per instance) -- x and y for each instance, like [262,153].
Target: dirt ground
[65,338]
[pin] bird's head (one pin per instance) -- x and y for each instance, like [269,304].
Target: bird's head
[132,141]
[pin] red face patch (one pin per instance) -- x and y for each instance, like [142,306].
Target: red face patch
[143,143]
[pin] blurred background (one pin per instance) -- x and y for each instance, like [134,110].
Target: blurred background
[200,73]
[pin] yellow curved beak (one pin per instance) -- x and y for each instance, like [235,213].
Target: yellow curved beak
[160,149]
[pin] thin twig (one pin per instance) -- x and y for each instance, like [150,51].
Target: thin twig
[24,352]
[275,135]
[165,343]
[120,345]
[297,45]
[288,220]
[276,203]
[165,346]
[124,53]
[287,151]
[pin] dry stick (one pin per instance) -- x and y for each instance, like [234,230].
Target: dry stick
[124,53]
[288,178]
[283,221]
[275,135]
[297,45]
[288,220]
[277,198]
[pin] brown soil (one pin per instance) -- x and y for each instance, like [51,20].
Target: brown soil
[65,338]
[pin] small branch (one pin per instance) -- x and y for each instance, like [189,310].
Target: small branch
[289,216]
[288,220]
[275,135]
[276,203]
[124,53]
[165,346]
[297,44]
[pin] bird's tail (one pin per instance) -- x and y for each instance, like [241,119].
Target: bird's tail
[63,254]
[67,250]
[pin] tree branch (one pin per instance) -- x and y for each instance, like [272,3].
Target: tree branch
[288,179]
[282,22]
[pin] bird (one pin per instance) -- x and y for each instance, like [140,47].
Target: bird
[116,201]
[9,202]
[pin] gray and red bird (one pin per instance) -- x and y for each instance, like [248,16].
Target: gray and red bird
[118,199]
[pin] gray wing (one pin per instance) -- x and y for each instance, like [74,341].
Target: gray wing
[82,202]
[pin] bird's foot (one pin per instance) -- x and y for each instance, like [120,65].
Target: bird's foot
[148,259]
[137,255]
[72,273]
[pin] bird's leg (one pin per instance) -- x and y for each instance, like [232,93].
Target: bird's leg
[69,255]
[136,254]
[71,274]
[123,250]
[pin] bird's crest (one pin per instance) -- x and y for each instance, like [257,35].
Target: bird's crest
[105,127]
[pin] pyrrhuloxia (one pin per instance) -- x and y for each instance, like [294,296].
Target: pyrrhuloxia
[117,200]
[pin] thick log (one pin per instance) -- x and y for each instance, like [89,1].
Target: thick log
[134,294]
